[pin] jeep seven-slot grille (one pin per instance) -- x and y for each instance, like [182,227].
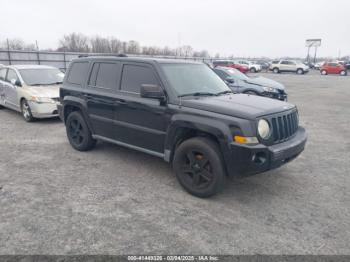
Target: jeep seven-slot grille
[284,126]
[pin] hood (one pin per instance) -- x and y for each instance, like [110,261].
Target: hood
[263,81]
[51,91]
[239,105]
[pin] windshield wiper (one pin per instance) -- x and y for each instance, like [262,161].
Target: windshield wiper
[55,83]
[224,92]
[46,84]
[198,94]
[38,84]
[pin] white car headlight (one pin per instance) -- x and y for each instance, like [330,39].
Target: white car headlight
[269,89]
[263,128]
[42,99]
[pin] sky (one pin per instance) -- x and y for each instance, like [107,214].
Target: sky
[242,28]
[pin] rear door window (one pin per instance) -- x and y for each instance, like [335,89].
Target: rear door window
[105,75]
[78,73]
[134,76]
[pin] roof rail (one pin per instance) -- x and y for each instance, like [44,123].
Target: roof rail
[87,55]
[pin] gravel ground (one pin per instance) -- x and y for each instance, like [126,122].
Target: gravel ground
[112,200]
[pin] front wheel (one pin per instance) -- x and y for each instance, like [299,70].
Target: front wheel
[276,70]
[324,72]
[342,73]
[300,71]
[78,132]
[26,111]
[199,167]
[253,70]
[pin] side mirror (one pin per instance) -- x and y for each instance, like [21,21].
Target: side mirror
[152,91]
[15,82]
[229,80]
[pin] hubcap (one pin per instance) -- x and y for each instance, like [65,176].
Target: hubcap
[76,132]
[26,112]
[196,170]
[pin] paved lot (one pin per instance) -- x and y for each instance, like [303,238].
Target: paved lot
[55,200]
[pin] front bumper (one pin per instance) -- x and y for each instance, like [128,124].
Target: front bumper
[43,110]
[246,160]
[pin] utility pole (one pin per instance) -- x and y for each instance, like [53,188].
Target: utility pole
[37,53]
[8,51]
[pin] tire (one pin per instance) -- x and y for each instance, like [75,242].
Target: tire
[276,70]
[78,132]
[199,167]
[300,71]
[324,72]
[343,73]
[253,70]
[26,111]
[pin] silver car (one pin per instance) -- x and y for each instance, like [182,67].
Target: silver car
[32,90]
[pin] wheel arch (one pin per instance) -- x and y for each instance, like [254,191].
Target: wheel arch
[73,104]
[183,129]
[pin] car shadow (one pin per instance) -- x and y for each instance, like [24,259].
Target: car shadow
[259,187]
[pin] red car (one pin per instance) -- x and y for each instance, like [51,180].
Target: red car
[333,68]
[227,63]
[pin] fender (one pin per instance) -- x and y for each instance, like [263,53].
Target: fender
[219,129]
[79,103]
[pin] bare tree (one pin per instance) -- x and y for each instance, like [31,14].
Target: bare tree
[100,45]
[74,42]
[133,47]
[116,45]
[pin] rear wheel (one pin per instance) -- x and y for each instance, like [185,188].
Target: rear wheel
[78,132]
[323,72]
[343,73]
[199,167]
[26,111]
[300,71]
[276,70]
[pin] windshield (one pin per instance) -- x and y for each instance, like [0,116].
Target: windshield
[42,76]
[236,74]
[193,78]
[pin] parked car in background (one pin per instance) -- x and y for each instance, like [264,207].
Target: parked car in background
[318,65]
[263,64]
[179,111]
[309,64]
[241,83]
[253,67]
[333,68]
[231,64]
[280,66]
[347,65]
[32,90]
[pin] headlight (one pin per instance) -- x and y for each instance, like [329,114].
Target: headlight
[269,89]
[41,99]
[263,128]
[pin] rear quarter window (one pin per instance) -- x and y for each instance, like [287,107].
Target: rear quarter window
[78,73]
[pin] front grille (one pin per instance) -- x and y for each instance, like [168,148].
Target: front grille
[284,126]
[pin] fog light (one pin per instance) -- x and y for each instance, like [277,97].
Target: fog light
[259,158]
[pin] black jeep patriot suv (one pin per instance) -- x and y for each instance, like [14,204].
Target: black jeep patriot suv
[179,111]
